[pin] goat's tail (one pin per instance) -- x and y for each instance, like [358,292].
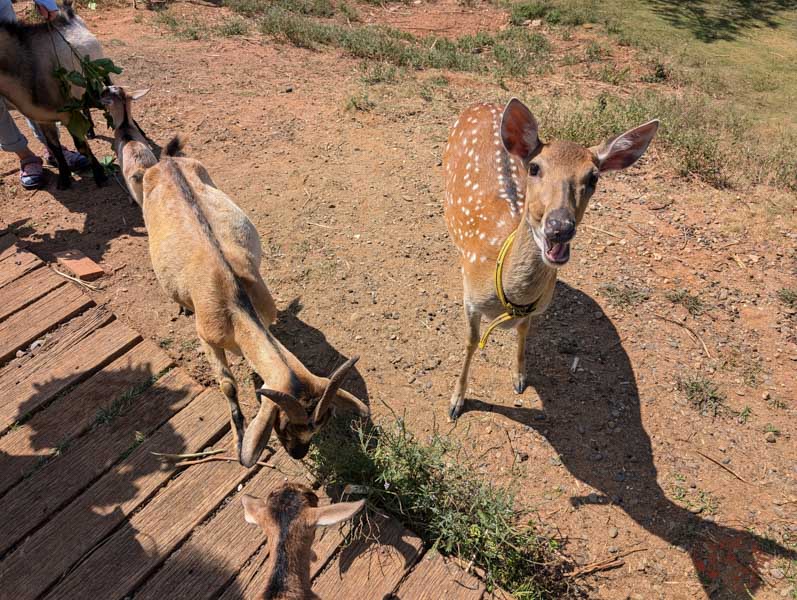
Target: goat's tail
[174,147]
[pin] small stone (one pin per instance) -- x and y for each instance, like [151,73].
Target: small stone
[522,456]
[660,554]
[613,532]
[695,510]
[771,437]
[36,344]
[581,429]
[536,22]
[287,89]
[766,396]
[20,353]
[596,456]
[613,549]
[777,573]
[411,379]
[518,402]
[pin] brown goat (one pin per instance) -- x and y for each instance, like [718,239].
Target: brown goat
[289,517]
[206,255]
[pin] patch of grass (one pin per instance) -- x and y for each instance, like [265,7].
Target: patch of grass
[438,80]
[613,75]
[702,394]
[349,12]
[378,72]
[788,296]
[122,403]
[659,73]
[624,296]
[744,415]
[165,343]
[188,30]
[233,27]
[770,428]
[511,52]
[360,102]
[428,488]
[563,12]
[692,303]
[594,52]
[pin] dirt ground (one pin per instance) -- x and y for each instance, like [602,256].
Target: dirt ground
[603,447]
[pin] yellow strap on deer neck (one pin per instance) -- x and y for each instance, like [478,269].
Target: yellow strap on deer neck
[511,310]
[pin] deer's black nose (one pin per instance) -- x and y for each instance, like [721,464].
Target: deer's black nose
[560,227]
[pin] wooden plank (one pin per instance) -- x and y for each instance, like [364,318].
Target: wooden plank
[15,262]
[371,569]
[27,289]
[101,508]
[71,355]
[227,542]
[22,328]
[436,577]
[69,416]
[53,485]
[152,533]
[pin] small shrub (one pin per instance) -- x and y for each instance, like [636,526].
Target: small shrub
[613,75]
[703,395]
[594,52]
[788,296]
[378,72]
[625,296]
[692,303]
[233,27]
[428,488]
[528,11]
[359,102]
[349,12]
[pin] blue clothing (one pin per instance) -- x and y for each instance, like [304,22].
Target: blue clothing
[48,4]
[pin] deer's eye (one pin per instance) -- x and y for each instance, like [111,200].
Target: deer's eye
[592,181]
[534,169]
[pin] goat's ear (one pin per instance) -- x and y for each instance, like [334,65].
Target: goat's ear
[138,94]
[625,149]
[335,513]
[254,509]
[519,131]
[346,401]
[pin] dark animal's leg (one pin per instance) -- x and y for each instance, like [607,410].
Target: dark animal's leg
[90,134]
[96,168]
[50,133]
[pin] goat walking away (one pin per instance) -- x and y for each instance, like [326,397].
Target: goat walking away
[289,517]
[512,204]
[206,255]
[29,55]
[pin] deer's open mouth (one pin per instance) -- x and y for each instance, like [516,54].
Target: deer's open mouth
[557,253]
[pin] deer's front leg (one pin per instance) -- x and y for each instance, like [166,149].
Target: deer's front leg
[519,374]
[473,318]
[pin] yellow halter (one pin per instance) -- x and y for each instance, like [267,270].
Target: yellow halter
[511,310]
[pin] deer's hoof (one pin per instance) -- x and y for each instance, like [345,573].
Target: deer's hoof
[455,408]
[519,383]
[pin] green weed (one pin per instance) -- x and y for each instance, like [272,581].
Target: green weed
[428,488]
[702,394]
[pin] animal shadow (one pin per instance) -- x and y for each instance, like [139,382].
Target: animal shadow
[620,465]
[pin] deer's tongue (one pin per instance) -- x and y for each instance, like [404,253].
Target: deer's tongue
[557,251]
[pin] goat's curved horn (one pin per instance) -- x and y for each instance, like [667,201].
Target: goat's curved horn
[348,401]
[257,434]
[291,406]
[325,403]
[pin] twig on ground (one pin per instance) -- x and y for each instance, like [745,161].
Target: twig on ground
[189,455]
[321,225]
[603,565]
[602,231]
[689,329]
[661,206]
[76,280]
[190,463]
[721,466]
[635,230]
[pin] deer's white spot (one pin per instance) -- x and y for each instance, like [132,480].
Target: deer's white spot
[475,186]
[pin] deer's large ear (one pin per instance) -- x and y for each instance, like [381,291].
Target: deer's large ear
[254,509]
[625,149]
[519,131]
[335,513]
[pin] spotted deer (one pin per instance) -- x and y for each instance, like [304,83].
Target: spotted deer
[512,204]
[289,517]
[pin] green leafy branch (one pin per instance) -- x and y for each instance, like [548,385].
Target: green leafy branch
[93,76]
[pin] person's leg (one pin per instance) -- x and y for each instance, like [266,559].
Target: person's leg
[11,140]
[75,160]
[7,14]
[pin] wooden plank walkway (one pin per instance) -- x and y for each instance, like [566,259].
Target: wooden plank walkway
[89,512]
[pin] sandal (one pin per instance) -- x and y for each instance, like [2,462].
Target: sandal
[31,173]
[74,160]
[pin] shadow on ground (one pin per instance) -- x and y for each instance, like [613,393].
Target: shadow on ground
[620,465]
[710,21]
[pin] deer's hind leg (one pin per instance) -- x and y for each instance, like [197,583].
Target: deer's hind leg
[261,299]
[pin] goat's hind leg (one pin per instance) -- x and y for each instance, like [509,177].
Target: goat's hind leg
[221,370]
[473,318]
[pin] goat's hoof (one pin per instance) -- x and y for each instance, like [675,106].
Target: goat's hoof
[519,383]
